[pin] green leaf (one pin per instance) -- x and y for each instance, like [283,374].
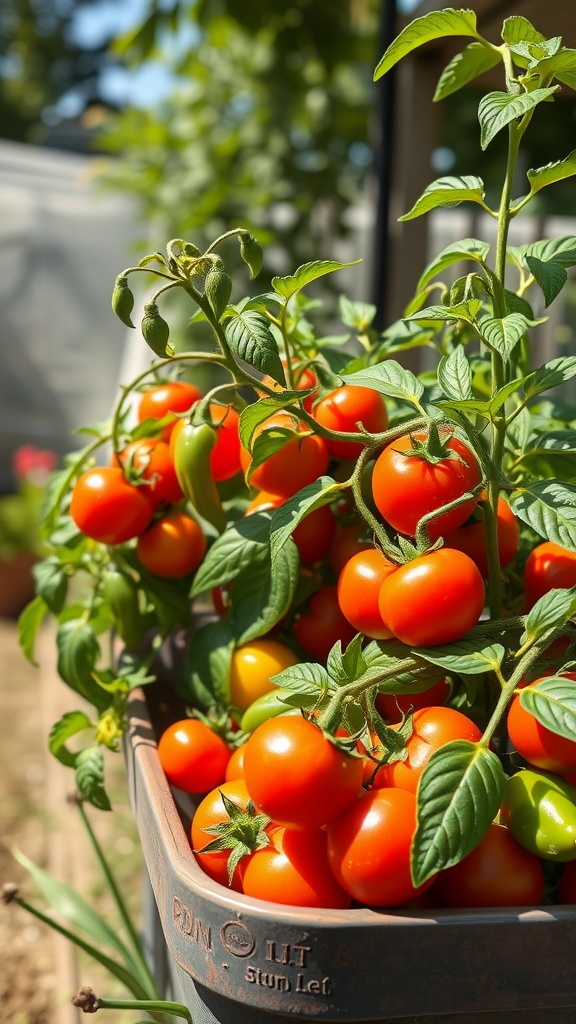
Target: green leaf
[551,454]
[253,415]
[550,612]
[503,394]
[306,678]
[51,583]
[550,375]
[459,794]
[308,272]
[498,109]
[90,777]
[539,177]
[556,440]
[549,508]
[563,65]
[466,657]
[436,25]
[503,333]
[71,723]
[78,652]
[249,336]
[272,439]
[389,378]
[286,518]
[206,678]
[29,625]
[455,375]
[473,60]
[552,701]
[243,544]
[456,252]
[551,276]
[518,29]
[262,597]
[467,311]
[358,315]
[69,904]
[562,249]
[469,406]
[448,191]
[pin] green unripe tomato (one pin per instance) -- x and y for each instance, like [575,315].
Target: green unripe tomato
[267,706]
[540,810]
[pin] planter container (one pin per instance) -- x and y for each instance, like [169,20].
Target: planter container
[236,960]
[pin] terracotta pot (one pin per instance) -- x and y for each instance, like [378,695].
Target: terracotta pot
[236,960]
[16,584]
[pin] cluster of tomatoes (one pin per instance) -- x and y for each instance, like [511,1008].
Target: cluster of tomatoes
[290,813]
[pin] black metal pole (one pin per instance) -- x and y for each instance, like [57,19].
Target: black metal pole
[383,157]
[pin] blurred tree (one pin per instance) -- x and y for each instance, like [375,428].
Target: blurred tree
[268,123]
[40,63]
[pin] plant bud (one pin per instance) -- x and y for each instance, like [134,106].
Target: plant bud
[123,300]
[217,289]
[156,331]
[251,253]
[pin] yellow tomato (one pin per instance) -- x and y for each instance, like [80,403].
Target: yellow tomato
[252,666]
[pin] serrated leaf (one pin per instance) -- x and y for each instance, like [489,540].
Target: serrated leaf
[308,272]
[206,677]
[71,723]
[78,652]
[459,794]
[550,276]
[286,518]
[552,701]
[550,375]
[466,657]
[389,378]
[456,252]
[549,508]
[305,678]
[449,191]
[253,415]
[503,333]
[540,177]
[243,544]
[436,25]
[262,597]
[251,339]
[550,612]
[29,624]
[89,767]
[474,60]
[518,29]
[455,375]
[466,311]
[498,109]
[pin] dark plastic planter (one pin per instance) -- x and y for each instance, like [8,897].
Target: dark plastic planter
[236,960]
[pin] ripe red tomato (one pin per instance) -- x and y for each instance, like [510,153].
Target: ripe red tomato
[175,396]
[298,463]
[359,586]
[432,728]
[369,848]
[434,599]
[537,744]
[209,812]
[296,776]
[548,567]
[252,666]
[348,541]
[567,886]
[235,766]
[392,705]
[344,408]
[107,508]
[193,756]
[313,536]
[497,873]
[172,547]
[471,538]
[323,624]
[294,870]
[151,460]
[406,487]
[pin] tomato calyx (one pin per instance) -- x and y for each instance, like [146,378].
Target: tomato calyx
[220,722]
[243,833]
[432,448]
[391,743]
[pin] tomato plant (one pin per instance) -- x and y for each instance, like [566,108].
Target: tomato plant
[299,462]
[175,396]
[538,745]
[392,706]
[296,775]
[149,459]
[432,728]
[107,508]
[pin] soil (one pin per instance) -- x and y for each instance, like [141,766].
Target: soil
[39,970]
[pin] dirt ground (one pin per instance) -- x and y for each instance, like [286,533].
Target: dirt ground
[40,972]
